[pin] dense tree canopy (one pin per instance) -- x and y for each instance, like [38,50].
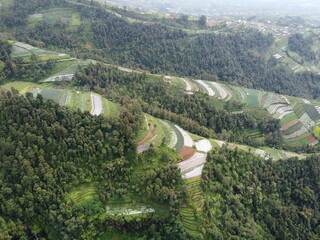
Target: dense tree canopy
[250,198]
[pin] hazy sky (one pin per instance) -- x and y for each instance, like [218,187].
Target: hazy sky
[211,6]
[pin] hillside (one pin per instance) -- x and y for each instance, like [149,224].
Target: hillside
[120,125]
[238,57]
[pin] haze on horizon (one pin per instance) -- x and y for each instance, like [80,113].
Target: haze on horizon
[213,7]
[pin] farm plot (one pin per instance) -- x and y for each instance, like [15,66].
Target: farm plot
[187,140]
[80,100]
[293,128]
[289,124]
[22,87]
[128,211]
[52,94]
[163,133]
[195,161]
[250,97]
[192,211]
[64,98]
[110,109]
[302,139]
[187,152]
[222,92]
[173,135]
[312,112]
[189,89]
[83,192]
[96,102]
[65,74]
[311,139]
[307,121]
[203,145]
[209,90]
[288,118]
[69,17]
[20,52]
[194,173]
[297,133]
[180,141]
[151,134]
[23,50]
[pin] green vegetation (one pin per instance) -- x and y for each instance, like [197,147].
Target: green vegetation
[66,174]
[316,132]
[248,197]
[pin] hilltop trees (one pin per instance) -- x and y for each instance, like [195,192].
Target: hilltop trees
[249,198]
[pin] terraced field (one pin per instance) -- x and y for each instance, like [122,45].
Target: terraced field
[192,211]
[24,50]
[83,192]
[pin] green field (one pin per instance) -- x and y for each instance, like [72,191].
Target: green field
[192,213]
[83,192]
[110,108]
[80,100]
[162,133]
[52,94]
[75,19]
[22,87]
[288,118]
[180,142]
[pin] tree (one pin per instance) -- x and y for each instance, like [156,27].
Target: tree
[203,21]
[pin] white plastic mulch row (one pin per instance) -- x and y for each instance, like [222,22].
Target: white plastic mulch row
[193,162]
[284,114]
[306,101]
[203,145]
[188,87]
[307,121]
[127,212]
[24,45]
[272,109]
[96,102]
[61,77]
[222,92]
[194,173]
[211,93]
[188,142]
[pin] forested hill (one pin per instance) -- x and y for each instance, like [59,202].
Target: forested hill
[238,57]
[60,169]
[250,198]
